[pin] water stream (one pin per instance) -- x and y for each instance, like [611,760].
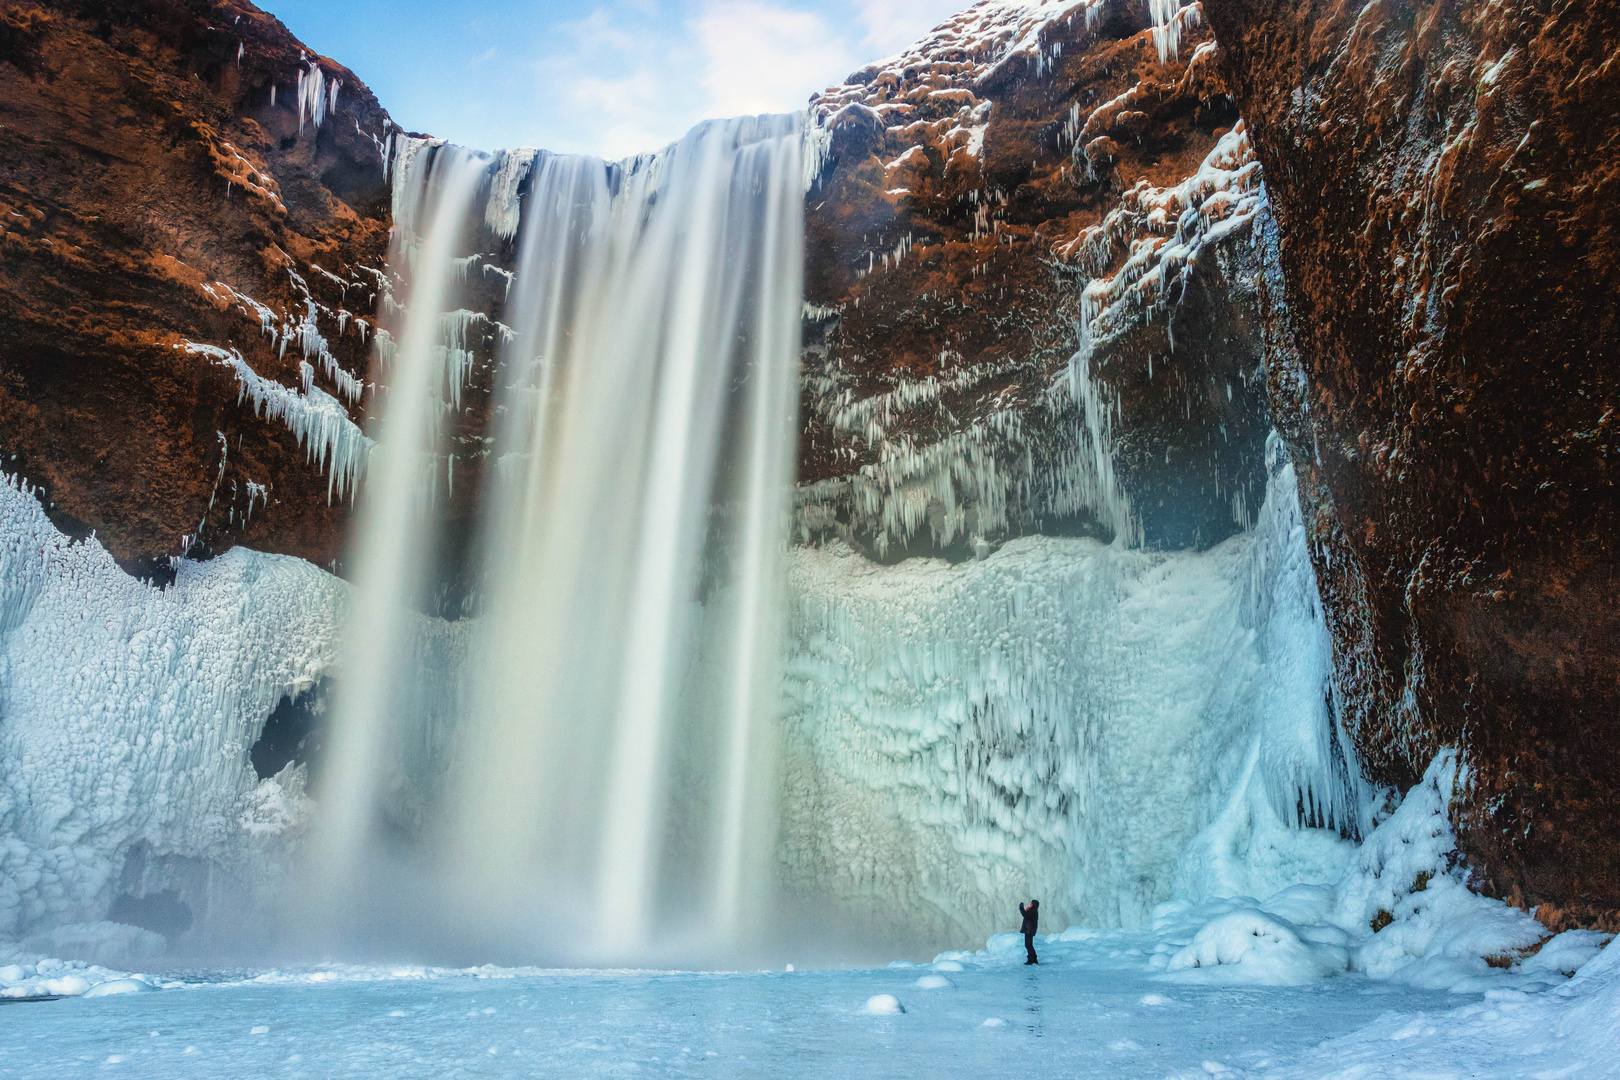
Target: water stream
[606,775]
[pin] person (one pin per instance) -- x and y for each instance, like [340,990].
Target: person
[1032,917]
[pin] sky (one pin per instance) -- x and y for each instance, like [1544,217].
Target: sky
[607,77]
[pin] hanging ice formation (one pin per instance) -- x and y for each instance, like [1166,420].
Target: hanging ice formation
[1103,727]
[316,96]
[606,772]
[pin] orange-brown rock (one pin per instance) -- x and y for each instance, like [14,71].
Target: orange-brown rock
[975,189]
[1445,360]
[151,191]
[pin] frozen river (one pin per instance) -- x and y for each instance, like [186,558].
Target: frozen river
[1062,1022]
[994,1019]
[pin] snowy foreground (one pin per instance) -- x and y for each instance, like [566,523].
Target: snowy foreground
[1092,1008]
[1397,969]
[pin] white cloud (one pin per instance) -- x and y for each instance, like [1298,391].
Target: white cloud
[891,25]
[761,57]
[634,75]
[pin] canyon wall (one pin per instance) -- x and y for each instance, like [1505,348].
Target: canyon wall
[1047,292]
[173,172]
[1025,181]
[1442,358]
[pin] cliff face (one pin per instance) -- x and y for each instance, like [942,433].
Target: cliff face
[1046,292]
[1031,298]
[1443,360]
[177,171]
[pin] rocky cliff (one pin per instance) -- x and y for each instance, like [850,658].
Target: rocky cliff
[1031,288]
[1046,292]
[1444,358]
[193,215]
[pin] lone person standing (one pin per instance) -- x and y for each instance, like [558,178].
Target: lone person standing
[1032,918]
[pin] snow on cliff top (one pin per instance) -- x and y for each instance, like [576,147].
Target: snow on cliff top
[963,50]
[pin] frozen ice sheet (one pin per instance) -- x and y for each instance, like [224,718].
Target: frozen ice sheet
[1059,1019]
[1064,1021]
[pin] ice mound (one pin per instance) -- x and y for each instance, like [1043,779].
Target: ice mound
[883,1005]
[1260,948]
[23,975]
[1401,911]
[115,987]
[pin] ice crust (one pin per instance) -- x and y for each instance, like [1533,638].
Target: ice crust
[128,713]
[1103,727]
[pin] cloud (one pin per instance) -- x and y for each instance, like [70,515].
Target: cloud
[759,57]
[634,75]
[612,83]
[891,25]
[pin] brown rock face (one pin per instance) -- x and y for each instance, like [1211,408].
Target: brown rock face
[1009,180]
[1446,363]
[152,193]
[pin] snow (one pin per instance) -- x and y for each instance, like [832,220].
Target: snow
[1082,1011]
[1161,231]
[965,50]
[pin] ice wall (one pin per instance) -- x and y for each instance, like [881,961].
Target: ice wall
[126,715]
[1097,726]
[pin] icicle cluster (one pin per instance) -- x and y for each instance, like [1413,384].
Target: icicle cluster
[330,439]
[316,95]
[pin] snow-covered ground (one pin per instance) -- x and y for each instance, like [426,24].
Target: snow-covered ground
[1397,969]
[1091,1009]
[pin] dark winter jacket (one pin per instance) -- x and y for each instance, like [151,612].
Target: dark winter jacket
[1032,915]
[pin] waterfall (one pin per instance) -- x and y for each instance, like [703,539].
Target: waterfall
[603,763]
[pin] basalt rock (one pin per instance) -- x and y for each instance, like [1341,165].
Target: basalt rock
[1031,289]
[174,172]
[1444,359]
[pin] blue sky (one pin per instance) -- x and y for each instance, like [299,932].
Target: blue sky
[607,77]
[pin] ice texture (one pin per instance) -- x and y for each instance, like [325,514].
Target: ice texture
[129,711]
[332,442]
[1102,727]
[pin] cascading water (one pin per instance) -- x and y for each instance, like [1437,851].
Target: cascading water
[601,763]
[604,772]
